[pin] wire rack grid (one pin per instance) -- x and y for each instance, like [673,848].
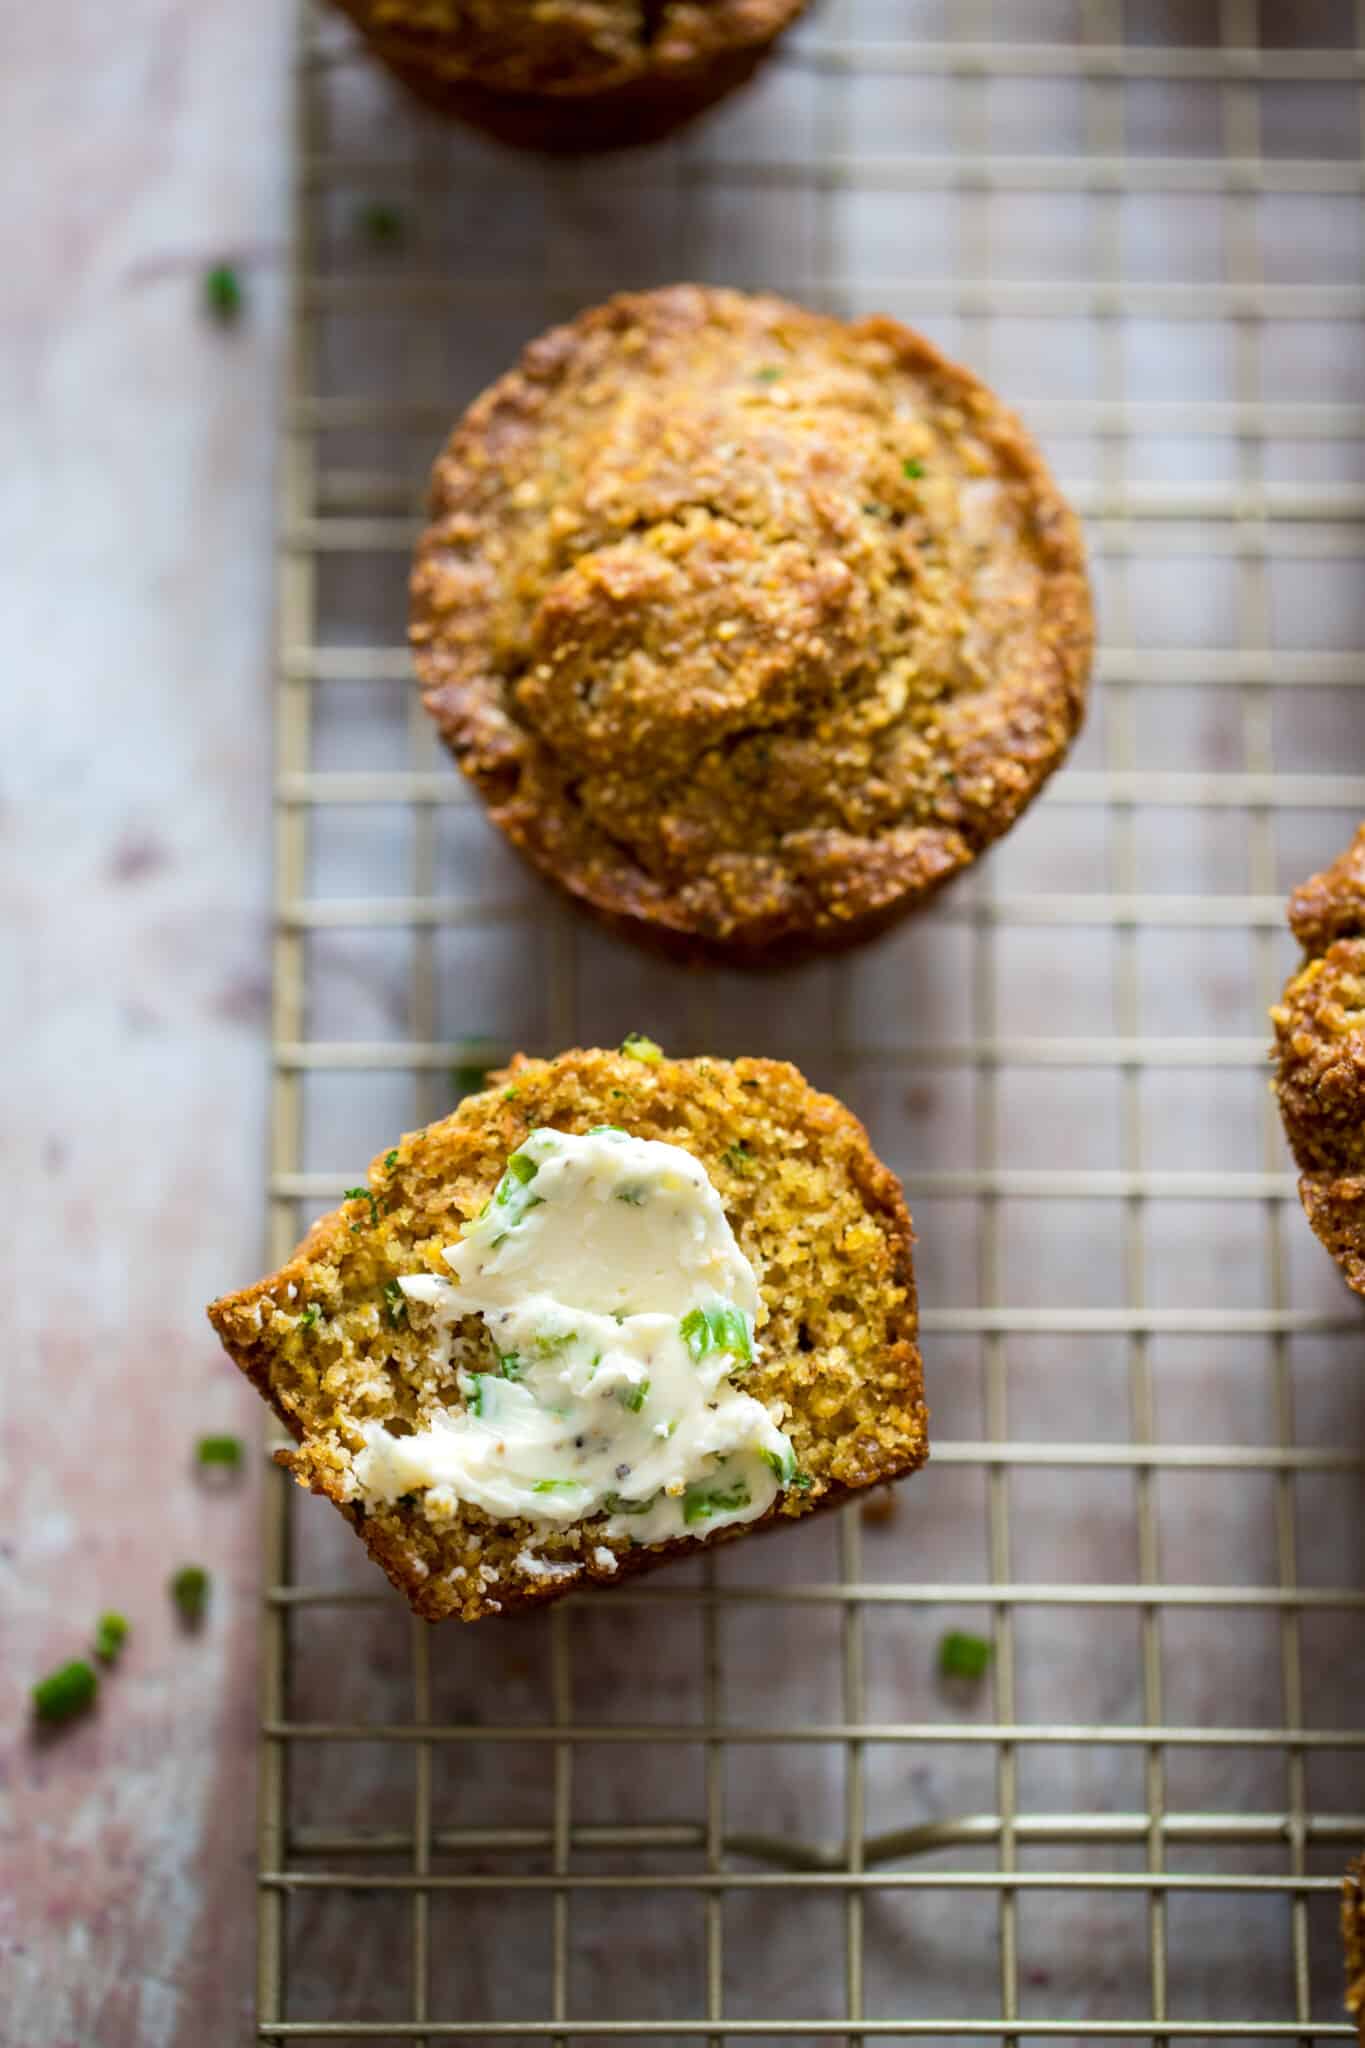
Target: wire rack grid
[738,1802]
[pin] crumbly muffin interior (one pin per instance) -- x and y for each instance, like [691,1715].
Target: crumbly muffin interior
[334,1345]
[756,602]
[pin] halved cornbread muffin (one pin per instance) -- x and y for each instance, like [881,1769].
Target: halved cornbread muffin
[614,1308]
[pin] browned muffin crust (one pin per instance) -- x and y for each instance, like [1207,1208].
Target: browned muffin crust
[572,74]
[750,626]
[1320,1053]
[822,1220]
[1353,1937]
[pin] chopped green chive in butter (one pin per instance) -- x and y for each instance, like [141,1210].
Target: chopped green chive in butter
[618,1309]
[718,1328]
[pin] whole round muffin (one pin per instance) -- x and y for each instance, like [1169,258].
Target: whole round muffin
[751,626]
[1320,1056]
[571,74]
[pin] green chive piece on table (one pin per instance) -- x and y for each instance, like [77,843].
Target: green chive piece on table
[228,1451]
[963,1656]
[378,221]
[189,1588]
[68,1691]
[111,1633]
[224,297]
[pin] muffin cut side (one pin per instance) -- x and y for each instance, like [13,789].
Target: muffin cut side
[334,1344]
[1320,1055]
[750,626]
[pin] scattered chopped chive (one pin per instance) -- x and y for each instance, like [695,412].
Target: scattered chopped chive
[468,1080]
[637,1047]
[739,1157]
[509,1364]
[632,1193]
[963,1656]
[634,1398]
[769,374]
[723,1328]
[802,1481]
[554,1486]
[309,1316]
[914,470]
[391,1160]
[474,1397]
[220,1450]
[618,1094]
[608,1130]
[111,1633]
[521,1168]
[69,1690]
[189,1588]
[396,1302]
[621,1504]
[701,1502]
[364,1195]
[510,1094]
[782,1463]
[380,222]
[223,294]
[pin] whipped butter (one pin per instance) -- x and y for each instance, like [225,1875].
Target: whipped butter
[619,1312]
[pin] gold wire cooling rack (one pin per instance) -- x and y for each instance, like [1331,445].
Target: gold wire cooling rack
[740,1802]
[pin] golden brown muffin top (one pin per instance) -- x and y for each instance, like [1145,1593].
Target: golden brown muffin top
[569,46]
[1320,1023]
[748,622]
[820,1218]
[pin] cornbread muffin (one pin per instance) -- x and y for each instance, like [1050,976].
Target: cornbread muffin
[685,1308]
[750,626]
[572,74]
[1320,1053]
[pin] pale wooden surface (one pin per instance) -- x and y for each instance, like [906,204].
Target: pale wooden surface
[135,499]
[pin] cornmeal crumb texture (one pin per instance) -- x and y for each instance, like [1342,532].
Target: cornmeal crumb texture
[752,627]
[1320,1050]
[572,74]
[331,1344]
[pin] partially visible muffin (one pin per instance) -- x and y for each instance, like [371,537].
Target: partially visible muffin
[364,1347]
[1353,1936]
[751,626]
[572,74]
[1320,1053]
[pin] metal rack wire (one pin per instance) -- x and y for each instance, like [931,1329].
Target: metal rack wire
[737,1802]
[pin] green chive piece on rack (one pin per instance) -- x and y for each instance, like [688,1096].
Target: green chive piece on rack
[68,1691]
[189,1588]
[224,297]
[963,1656]
[637,1047]
[111,1633]
[228,1451]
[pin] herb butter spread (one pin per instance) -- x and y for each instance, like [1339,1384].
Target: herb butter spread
[620,1313]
